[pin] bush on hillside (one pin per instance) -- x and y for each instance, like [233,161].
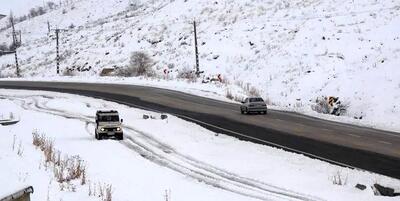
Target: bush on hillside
[188,74]
[133,5]
[51,5]
[140,64]
[3,47]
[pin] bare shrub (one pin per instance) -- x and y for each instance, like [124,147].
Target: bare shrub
[68,169]
[71,26]
[51,5]
[321,106]
[3,47]
[83,178]
[253,92]
[20,150]
[340,108]
[65,170]
[69,72]
[250,90]
[167,195]
[40,10]
[228,94]
[238,98]
[133,5]
[13,145]
[188,74]
[140,64]
[32,13]
[339,179]
[103,191]
[22,18]
[108,193]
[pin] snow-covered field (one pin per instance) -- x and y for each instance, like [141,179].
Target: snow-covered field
[188,161]
[292,52]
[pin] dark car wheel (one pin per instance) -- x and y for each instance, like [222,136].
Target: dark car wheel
[241,111]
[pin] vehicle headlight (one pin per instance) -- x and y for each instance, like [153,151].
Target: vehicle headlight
[118,129]
[102,129]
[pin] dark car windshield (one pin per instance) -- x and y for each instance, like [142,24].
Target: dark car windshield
[256,100]
[108,118]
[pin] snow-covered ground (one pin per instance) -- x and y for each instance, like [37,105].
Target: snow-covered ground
[292,52]
[188,161]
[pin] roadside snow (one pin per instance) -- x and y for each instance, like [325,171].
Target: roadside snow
[157,155]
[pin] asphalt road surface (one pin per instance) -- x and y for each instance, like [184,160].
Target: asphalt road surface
[347,145]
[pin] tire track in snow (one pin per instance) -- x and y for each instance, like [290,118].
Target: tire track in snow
[164,155]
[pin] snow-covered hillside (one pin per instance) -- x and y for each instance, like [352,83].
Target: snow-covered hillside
[291,51]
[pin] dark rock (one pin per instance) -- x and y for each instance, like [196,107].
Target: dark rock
[361,186]
[164,116]
[384,191]
[146,116]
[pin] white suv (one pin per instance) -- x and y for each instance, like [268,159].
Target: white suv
[108,125]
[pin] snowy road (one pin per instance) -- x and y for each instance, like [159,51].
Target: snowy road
[372,150]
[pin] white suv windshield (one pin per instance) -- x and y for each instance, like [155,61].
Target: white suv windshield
[108,118]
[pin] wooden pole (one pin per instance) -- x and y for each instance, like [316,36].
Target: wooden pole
[15,45]
[196,51]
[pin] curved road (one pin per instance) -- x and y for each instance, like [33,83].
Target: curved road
[347,145]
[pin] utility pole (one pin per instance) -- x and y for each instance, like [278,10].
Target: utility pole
[58,53]
[48,27]
[196,51]
[14,44]
[57,30]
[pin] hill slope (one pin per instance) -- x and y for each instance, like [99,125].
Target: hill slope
[292,51]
